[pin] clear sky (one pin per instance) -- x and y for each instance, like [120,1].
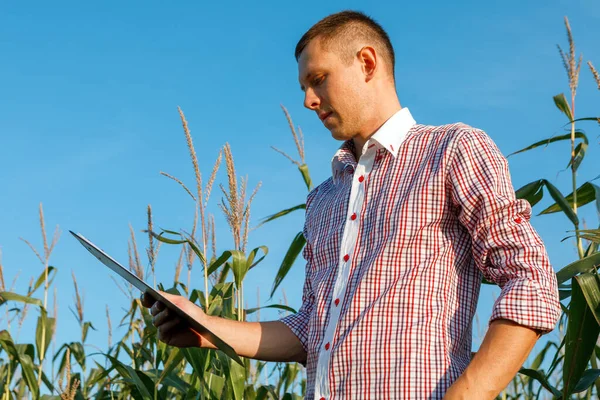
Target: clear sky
[88,118]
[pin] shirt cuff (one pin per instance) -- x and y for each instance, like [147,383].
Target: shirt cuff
[528,303]
[298,324]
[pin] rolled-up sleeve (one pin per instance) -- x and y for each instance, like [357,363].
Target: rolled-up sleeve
[505,246]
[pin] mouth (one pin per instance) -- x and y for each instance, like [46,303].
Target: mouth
[324,116]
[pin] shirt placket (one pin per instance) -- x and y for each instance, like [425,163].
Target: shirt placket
[347,251]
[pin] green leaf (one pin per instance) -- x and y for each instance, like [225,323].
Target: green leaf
[24,360]
[282,213]
[545,142]
[196,250]
[9,296]
[541,378]
[595,119]
[41,278]
[237,377]
[252,255]
[174,359]
[163,239]
[288,260]
[563,105]
[584,265]
[306,176]
[586,193]
[579,154]
[582,333]
[142,383]
[196,358]
[587,380]
[537,362]
[278,306]
[532,192]
[590,286]
[219,261]
[189,241]
[86,327]
[562,202]
[593,235]
[46,325]
[239,265]
[215,384]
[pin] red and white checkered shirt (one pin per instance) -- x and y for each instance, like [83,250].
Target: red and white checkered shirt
[396,247]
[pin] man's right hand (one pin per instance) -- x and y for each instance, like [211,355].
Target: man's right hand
[171,329]
[268,341]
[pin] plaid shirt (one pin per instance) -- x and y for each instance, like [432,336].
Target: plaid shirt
[397,244]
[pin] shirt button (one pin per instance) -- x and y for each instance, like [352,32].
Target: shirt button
[327,346]
[346,257]
[518,220]
[322,398]
[337,301]
[353,217]
[361,178]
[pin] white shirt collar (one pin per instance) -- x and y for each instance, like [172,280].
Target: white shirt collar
[390,136]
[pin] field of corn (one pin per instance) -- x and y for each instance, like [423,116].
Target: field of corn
[138,366]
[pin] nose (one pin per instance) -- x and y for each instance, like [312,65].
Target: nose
[311,101]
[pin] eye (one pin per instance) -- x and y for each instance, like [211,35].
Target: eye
[318,80]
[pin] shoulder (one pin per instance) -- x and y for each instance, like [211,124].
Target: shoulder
[451,137]
[448,132]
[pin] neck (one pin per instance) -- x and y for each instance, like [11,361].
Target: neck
[384,111]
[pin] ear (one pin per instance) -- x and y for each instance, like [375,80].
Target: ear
[368,60]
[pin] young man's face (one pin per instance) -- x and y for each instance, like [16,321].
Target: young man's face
[333,89]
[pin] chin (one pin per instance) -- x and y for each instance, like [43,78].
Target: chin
[337,135]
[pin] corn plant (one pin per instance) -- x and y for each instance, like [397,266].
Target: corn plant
[574,366]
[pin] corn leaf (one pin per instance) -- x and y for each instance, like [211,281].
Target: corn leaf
[239,265]
[41,278]
[590,286]
[583,265]
[562,202]
[545,142]
[47,325]
[252,255]
[219,261]
[277,306]
[9,296]
[587,380]
[283,213]
[532,192]
[561,103]
[142,383]
[581,337]
[237,378]
[24,360]
[288,260]
[306,176]
[586,193]
[579,154]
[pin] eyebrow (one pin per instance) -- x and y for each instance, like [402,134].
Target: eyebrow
[306,78]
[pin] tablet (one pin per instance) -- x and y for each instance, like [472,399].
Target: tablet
[144,287]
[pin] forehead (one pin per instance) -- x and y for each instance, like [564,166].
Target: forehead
[315,57]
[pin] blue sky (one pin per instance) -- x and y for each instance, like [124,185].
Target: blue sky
[88,119]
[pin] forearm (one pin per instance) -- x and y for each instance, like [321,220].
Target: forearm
[267,341]
[504,349]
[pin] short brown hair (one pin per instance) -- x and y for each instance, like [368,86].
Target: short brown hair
[349,26]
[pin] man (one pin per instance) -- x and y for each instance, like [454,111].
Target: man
[397,242]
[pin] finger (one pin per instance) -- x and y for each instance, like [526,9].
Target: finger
[169,326]
[147,300]
[161,318]
[157,307]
